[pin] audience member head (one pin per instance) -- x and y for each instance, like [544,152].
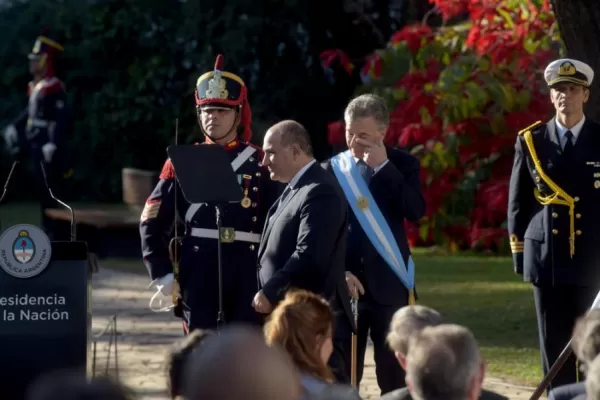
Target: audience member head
[302,324]
[178,357]
[238,364]
[367,118]
[407,322]
[592,380]
[70,385]
[287,148]
[443,363]
[586,337]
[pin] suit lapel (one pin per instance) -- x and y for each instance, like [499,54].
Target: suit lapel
[272,215]
[275,211]
[550,150]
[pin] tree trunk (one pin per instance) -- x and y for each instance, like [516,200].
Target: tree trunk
[579,23]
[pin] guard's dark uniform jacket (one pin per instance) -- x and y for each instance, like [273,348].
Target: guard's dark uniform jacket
[198,272]
[554,231]
[540,235]
[45,123]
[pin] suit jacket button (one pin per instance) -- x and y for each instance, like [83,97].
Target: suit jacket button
[578,232]
[576,198]
[252,247]
[577,215]
[554,215]
[555,231]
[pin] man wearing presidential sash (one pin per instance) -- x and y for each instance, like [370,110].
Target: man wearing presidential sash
[554,214]
[382,187]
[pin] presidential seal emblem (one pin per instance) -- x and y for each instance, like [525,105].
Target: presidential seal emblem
[363,202]
[23,247]
[25,251]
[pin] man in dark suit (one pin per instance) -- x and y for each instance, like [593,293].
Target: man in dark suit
[392,178]
[553,214]
[303,242]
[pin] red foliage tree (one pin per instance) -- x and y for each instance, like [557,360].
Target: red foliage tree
[458,96]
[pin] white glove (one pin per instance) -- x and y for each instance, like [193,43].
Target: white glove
[48,150]
[164,284]
[10,135]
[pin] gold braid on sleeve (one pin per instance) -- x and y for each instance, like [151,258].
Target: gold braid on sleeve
[559,196]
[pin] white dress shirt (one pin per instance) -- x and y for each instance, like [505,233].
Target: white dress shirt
[575,130]
[299,174]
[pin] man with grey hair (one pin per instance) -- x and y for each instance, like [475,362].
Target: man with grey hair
[382,186]
[408,322]
[586,347]
[444,363]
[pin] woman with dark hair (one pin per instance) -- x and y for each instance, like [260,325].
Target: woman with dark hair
[302,324]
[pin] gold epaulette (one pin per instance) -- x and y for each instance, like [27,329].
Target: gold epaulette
[530,127]
[516,246]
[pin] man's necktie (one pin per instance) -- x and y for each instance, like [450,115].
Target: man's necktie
[568,150]
[365,171]
[285,193]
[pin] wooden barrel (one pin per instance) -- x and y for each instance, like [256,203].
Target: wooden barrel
[137,186]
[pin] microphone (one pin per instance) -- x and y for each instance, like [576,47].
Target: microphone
[73,225]
[12,169]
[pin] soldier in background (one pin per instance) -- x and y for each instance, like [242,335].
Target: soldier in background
[42,130]
[225,117]
[553,213]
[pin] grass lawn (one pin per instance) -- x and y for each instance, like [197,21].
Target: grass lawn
[480,292]
[485,295]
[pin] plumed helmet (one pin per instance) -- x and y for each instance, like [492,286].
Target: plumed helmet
[220,89]
[45,50]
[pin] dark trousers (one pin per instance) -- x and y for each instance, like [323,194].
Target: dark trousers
[376,318]
[556,309]
[199,281]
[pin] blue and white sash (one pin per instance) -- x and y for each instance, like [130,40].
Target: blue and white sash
[370,218]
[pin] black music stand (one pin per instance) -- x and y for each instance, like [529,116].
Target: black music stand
[205,175]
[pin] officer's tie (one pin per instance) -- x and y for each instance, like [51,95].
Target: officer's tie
[568,150]
[365,171]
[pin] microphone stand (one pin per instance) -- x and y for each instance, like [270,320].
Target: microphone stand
[73,224]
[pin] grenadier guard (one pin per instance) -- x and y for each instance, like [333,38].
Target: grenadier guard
[554,213]
[224,116]
[42,130]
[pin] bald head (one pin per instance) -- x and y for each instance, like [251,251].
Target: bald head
[293,133]
[238,364]
[287,149]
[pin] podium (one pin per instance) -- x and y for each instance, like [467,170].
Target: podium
[45,306]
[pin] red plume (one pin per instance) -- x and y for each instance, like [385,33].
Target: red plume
[246,118]
[219,63]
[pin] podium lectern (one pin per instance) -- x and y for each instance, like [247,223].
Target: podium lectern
[45,310]
[45,306]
